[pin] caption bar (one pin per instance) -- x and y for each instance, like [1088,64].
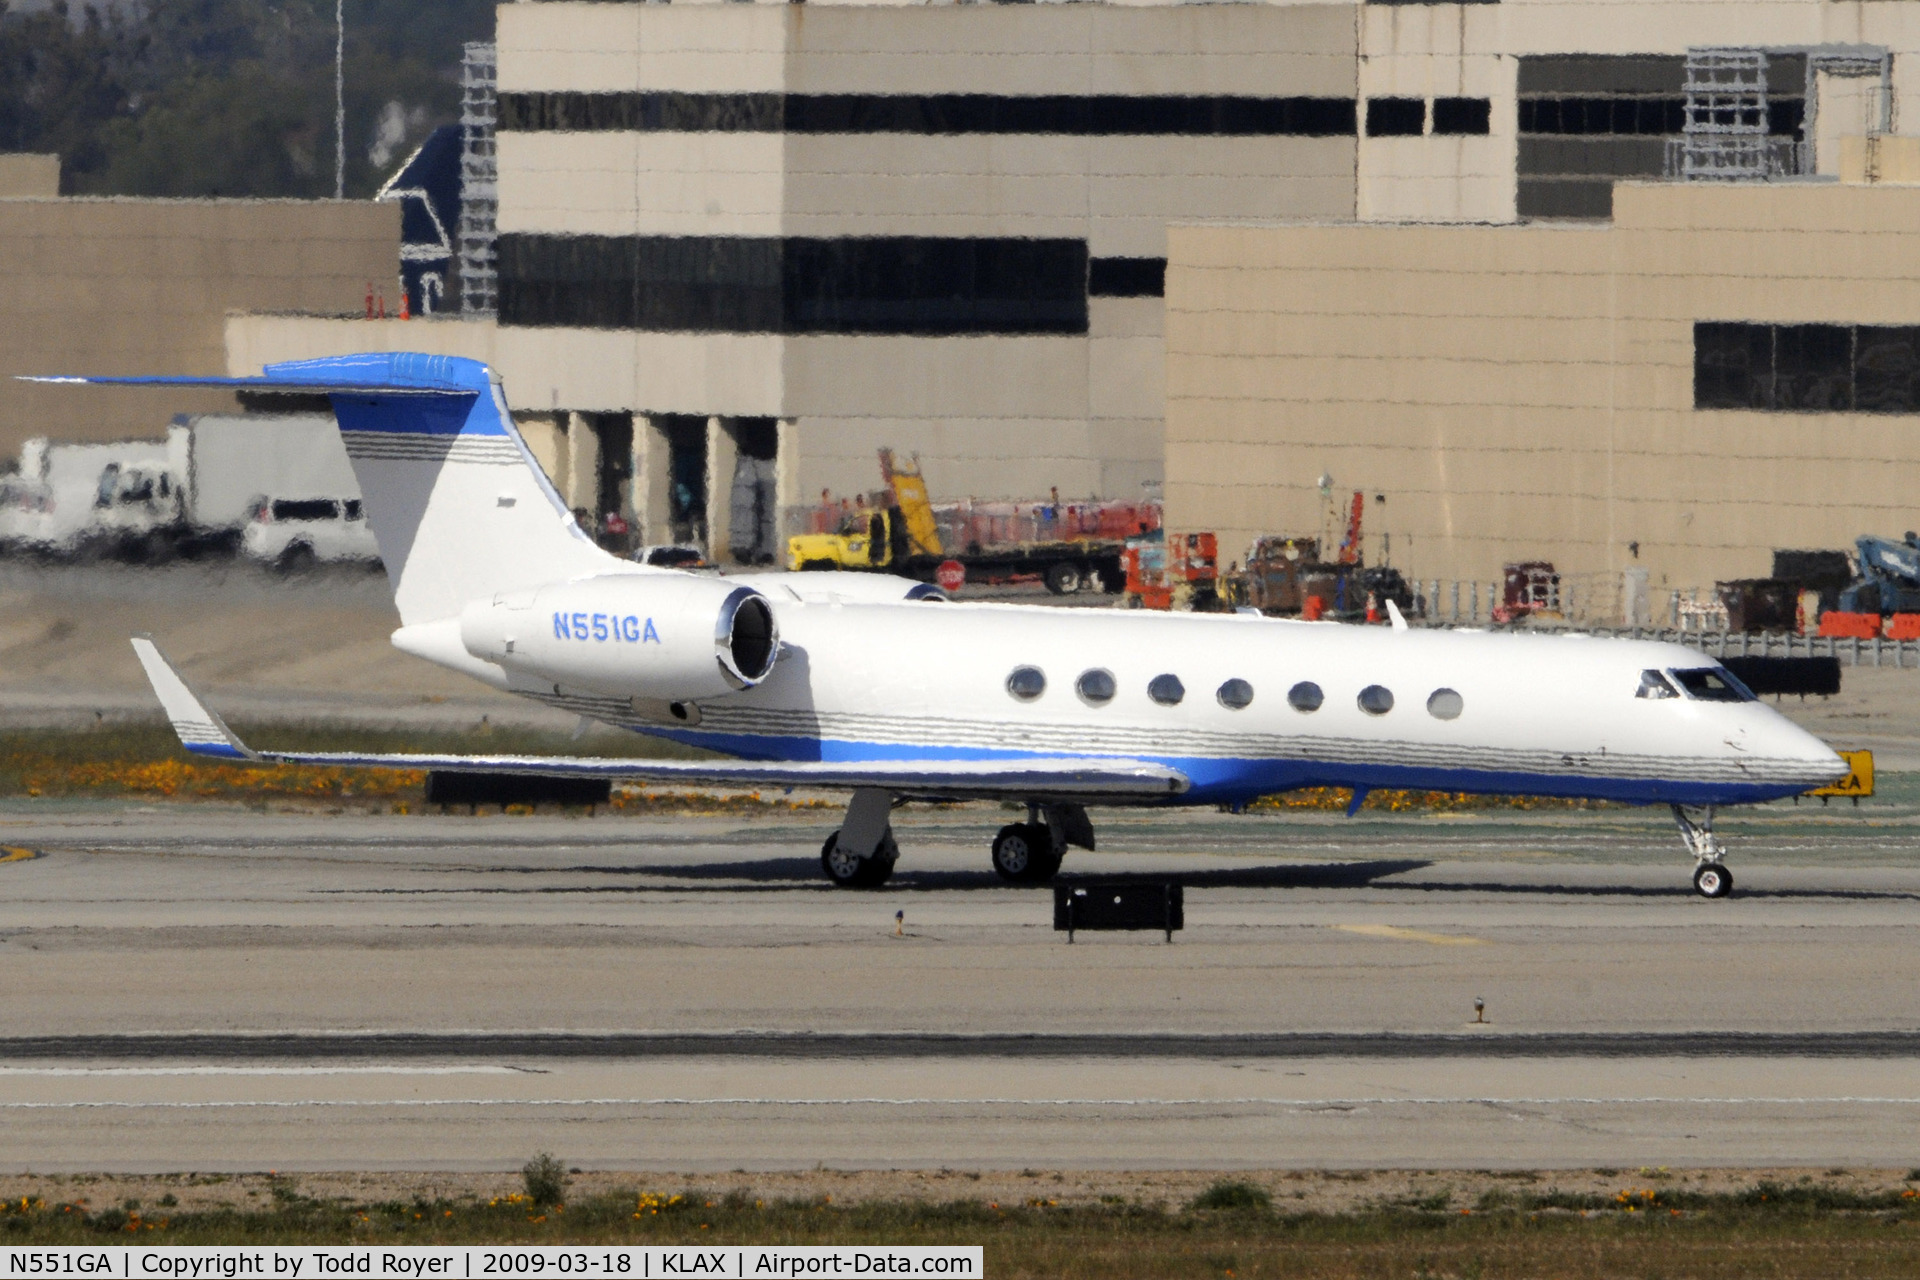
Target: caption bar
[428,1262]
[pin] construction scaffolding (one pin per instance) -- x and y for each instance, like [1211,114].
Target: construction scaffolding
[1724,137]
[479,182]
[1727,131]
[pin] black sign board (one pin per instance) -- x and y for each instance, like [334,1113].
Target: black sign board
[447,786]
[1118,904]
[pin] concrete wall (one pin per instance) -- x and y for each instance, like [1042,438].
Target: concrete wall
[144,286]
[1527,391]
[25,174]
[1013,412]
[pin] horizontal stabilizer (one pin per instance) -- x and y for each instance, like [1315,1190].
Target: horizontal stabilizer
[1050,777]
[387,373]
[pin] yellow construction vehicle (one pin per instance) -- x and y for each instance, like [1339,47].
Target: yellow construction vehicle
[876,537]
[895,530]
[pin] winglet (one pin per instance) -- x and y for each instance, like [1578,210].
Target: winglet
[201,731]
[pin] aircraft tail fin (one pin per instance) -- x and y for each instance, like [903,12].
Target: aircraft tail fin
[456,502]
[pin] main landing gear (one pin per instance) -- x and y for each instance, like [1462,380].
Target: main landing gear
[1710,874]
[1030,852]
[861,854]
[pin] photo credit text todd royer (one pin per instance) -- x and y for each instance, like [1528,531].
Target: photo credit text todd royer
[546,1262]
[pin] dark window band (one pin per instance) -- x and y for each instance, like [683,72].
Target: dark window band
[733,284]
[1127,278]
[1807,368]
[1100,115]
[1396,117]
[1462,116]
[1638,116]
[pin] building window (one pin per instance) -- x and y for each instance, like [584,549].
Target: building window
[1588,120]
[1126,277]
[1084,115]
[1396,117]
[1462,115]
[796,284]
[1806,368]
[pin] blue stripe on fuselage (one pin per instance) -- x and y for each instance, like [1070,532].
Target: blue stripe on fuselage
[1230,781]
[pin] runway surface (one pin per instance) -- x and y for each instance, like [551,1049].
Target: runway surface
[212,988]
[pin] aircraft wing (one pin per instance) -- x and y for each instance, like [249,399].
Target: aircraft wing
[203,732]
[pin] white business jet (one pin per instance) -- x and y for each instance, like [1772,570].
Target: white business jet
[878,686]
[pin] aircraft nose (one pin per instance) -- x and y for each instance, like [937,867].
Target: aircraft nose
[1808,759]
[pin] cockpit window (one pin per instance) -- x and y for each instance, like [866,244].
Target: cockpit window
[1655,685]
[1713,684]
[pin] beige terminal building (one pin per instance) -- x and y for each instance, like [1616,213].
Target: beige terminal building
[749,244]
[1722,370]
[741,246]
[139,286]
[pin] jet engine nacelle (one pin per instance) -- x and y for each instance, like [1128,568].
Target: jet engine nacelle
[666,636]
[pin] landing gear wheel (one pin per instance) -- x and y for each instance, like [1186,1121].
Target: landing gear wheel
[1023,854]
[850,871]
[1063,579]
[1712,880]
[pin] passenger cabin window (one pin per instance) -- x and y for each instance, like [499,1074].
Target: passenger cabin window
[1235,695]
[1166,690]
[1713,684]
[1655,685]
[1376,700]
[1445,704]
[1095,687]
[1027,683]
[1305,696]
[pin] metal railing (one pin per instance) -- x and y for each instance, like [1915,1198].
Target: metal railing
[1852,651]
[1748,160]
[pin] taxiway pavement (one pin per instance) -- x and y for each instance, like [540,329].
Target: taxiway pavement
[207,987]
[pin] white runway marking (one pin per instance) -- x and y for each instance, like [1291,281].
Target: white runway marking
[1296,1104]
[12,1072]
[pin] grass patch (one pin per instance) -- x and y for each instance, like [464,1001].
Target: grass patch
[1336,799]
[1767,1229]
[1243,1196]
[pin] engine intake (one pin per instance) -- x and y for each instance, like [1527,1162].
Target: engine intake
[666,637]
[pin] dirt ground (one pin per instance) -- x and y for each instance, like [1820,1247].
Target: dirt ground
[1323,1191]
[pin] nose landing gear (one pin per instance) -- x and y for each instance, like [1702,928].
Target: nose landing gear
[1710,875]
[861,854]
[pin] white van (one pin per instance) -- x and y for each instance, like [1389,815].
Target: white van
[297,533]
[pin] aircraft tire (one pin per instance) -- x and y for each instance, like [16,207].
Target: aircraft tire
[1712,880]
[1023,854]
[859,873]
